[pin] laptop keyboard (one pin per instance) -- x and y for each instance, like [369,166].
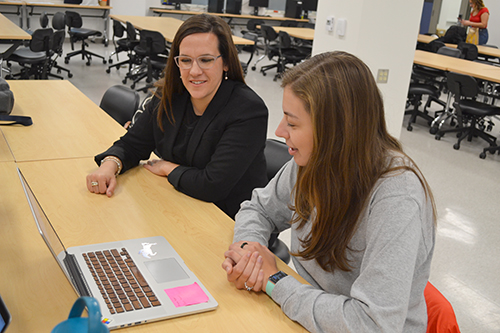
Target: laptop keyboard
[122,285]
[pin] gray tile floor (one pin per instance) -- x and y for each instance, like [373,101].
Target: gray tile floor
[466,265]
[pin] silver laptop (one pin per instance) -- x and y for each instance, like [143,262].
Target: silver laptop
[135,281]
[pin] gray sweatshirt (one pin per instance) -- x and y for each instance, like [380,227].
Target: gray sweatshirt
[393,246]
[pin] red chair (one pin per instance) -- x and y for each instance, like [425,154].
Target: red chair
[441,317]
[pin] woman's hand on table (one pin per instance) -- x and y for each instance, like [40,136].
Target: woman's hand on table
[103,180]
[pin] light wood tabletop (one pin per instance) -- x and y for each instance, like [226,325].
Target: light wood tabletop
[187,12]
[5,153]
[143,205]
[66,123]
[446,63]
[32,285]
[485,50]
[302,33]
[167,26]
[10,31]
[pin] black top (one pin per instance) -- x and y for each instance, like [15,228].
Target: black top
[224,156]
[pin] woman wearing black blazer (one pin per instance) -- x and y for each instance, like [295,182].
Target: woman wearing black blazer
[207,125]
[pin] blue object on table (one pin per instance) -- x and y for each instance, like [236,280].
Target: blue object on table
[77,324]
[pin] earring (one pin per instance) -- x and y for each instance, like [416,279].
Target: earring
[225,75]
[180,76]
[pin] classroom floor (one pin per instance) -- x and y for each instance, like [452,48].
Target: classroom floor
[466,263]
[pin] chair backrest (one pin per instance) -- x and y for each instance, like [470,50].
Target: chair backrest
[41,40]
[131,32]
[118,29]
[59,21]
[462,85]
[449,51]
[152,42]
[276,153]
[120,102]
[285,40]
[469,51]
[289,23]
[44,20]
[253,23]
[435,45]
[58,41]
[440,315]
[268,32]
[73,19]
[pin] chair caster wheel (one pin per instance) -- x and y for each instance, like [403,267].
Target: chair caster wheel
[456,146]
[108,71]
[409,128]
[482,155]
[437,137]
[132,86]
[70,75]
[433,130]
[110,61]
[104,62]
[264,73]
[254,68]
[124,81]
[66,61]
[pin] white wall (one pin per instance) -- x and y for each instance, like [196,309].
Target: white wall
[383,34]
[494,21]
[449,13]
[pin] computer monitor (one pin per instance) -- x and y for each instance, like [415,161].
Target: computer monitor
[177,3]
[233,6]
[258,3]
[293,8]
[309,5]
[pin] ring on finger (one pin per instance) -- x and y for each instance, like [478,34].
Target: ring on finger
[94,183]
[242,245]
[248,288]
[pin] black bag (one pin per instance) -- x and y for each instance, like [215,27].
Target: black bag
[454,35]
[6,106]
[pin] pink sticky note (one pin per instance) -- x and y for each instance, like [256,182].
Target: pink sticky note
[187,295]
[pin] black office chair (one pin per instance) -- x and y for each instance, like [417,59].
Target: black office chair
[277,155]
[415,93]
[289,53]
[120,103]
[469,51]
[152,49]
[35,58]
[79,34]
[126,44]
[271,46]
[44,20]
[289,23]
[470,113]
[58,24]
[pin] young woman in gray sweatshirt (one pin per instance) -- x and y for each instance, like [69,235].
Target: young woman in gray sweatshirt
[361,213]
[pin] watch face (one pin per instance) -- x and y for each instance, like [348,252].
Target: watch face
[276,277]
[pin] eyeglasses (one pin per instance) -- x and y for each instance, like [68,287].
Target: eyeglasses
[204,61]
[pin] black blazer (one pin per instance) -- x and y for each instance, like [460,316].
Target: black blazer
[225,153]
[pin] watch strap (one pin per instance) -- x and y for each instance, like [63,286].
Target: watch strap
[273,279]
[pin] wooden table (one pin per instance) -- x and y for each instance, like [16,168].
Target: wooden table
[5,153]
[160,11]
[143,205]
[451,64]
[167,26]
[23,7]
[10,34]
[302,33]
[484,50]
[66,123]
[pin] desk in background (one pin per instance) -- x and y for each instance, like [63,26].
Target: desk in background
[167,26]
[462,66]
[10,34]
[160,11]
[23,7]
[484,50]
[66,123]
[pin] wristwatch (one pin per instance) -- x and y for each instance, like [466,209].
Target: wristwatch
[273,279]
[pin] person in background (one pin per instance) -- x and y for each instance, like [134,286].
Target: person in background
[361,213]
[207,126]
[479,16]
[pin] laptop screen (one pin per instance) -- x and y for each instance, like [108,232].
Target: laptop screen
[45,228]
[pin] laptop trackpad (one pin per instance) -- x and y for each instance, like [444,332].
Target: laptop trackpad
[166,270]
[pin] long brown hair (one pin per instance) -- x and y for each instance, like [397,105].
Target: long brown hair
[171,84]
[351,151]
[479,4]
